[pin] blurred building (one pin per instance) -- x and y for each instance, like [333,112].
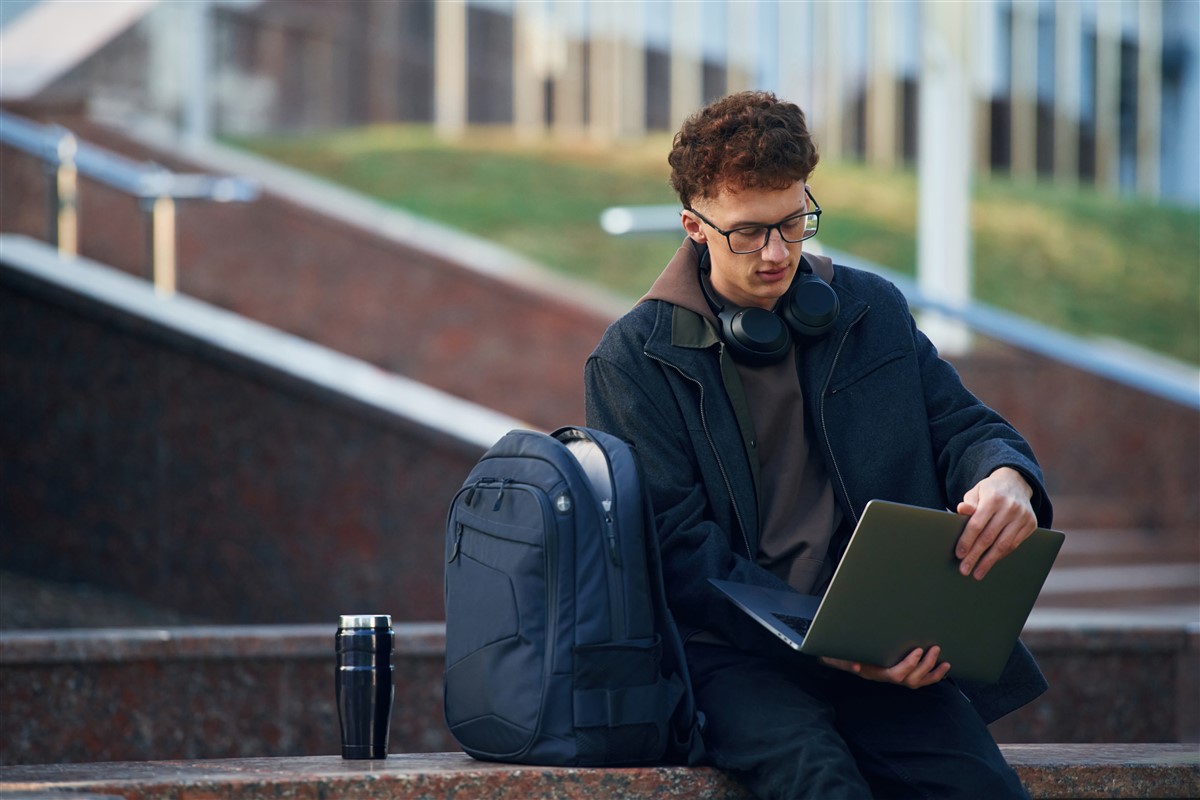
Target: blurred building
[1103,92]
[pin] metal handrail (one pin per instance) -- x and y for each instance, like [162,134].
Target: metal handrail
[156,189]
[1178,383]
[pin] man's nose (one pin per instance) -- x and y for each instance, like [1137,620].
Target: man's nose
[776,249]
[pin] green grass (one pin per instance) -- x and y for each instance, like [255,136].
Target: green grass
[1086,263]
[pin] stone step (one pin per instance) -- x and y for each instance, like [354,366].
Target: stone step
[1129,577]
[1047,770]
[1129,544]
[252,691]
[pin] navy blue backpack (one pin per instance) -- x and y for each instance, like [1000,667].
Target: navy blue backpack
[560,649]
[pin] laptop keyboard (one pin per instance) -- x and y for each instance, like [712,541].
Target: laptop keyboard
[798,624]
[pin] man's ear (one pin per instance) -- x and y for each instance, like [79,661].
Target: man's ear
[693,228]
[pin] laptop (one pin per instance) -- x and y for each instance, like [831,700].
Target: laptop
[898,587]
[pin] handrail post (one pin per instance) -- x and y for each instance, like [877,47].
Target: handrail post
[157,190]
[160,249]
[63,228]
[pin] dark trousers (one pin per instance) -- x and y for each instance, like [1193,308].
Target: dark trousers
[793,728]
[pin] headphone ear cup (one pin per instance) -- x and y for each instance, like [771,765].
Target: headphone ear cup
[755,337]
[811,306]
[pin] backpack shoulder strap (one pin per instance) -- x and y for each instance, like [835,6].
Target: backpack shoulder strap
[687,723]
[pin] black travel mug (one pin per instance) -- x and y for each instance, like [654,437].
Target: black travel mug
[364,683]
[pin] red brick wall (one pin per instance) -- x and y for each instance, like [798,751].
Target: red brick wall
[145,462]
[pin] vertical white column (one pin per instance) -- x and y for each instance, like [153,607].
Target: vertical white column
[687,60]
[529,68]
[982,22]
[450,67]
[570,31]
[197,117]
[944,169]
[1023,90]
[1068,60]
[602,55]
[882,120]
[630,71]
[1108,94]
[741,26]
[616,71]
[833,111]
[796,58]
[1149,105]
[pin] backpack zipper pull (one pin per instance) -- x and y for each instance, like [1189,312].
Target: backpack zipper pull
[470,496]
[458,534]
[613,552]
[500,494]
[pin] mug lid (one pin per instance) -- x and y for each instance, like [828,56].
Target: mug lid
[359,621]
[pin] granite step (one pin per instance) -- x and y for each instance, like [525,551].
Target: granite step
[1047,770]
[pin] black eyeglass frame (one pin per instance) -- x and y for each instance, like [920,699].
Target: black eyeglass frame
[778,226]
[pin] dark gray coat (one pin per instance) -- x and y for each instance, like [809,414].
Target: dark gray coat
[890,418]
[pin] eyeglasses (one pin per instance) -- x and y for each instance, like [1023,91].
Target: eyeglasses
[752,238]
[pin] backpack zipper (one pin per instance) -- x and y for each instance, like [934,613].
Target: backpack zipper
[616,595]
[468,497]
[458,537]
[614,552]
[619,629]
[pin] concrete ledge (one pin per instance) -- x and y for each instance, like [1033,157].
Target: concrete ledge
[1049,771]
[221,692]
[233,692]
[1107,770]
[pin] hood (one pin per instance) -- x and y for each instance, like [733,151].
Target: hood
[679,284]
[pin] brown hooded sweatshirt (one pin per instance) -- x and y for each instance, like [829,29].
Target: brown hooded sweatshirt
[798,512]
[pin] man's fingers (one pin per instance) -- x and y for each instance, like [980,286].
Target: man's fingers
[993,531]
[975,541]
[918,669]
[1009,539]
[976,527]
[937,674]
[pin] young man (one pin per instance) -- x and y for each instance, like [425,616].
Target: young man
[765,420]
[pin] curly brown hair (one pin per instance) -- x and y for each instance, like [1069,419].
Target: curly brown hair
[743,141]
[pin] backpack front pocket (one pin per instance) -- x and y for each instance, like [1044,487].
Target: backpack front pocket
[497,622]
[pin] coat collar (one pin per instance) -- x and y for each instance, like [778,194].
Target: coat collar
[677,329]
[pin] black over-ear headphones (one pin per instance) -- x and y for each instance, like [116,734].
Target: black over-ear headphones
[757,337]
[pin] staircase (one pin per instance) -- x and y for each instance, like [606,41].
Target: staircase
[329,266]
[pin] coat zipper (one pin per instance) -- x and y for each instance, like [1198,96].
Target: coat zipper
[737,512]
[821,413]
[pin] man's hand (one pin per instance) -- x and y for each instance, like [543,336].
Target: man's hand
[1001,518]
[919,668]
